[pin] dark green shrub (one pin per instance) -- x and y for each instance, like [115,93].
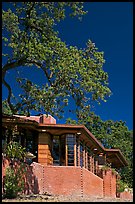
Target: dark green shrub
[14,181]
[14,178]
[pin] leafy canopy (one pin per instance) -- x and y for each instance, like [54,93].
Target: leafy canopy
[30,39]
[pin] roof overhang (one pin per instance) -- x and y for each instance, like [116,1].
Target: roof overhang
[113,156]
[79,130]
[116,158]
[21,122]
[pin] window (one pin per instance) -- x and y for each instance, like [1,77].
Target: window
[70,142]
[58,150]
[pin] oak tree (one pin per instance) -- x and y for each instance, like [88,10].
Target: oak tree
[30,39]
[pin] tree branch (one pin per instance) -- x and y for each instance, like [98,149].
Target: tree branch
[42,67]
[12,65]
[9,96]
[29,10]
[6,67]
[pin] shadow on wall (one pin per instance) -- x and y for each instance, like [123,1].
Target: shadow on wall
[31,181]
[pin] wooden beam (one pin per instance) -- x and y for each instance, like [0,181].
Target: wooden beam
[84,154]
[75,151]
[66,153]
[78,152]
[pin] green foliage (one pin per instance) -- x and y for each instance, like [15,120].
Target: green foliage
[121,186]
[5,108]
[69,73]
[14,178]
[107,167]
[13,181]
[15,151]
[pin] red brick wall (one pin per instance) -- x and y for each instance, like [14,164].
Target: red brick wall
[109,183]
[71,181]
[92,184]
[126,195]
[38,172]
[113,185]
[47,120]
[33,177]
[62,180]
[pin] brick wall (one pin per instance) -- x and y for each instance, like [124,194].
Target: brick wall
[67,180]
[109,183]
[5,164]
[47,120]
[38,172]
[60,180]
[126,195]
[33,177]
[92,184]
[63,180]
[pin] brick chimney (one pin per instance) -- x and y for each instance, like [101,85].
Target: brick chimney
[44,119]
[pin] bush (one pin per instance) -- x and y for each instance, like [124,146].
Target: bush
[121,186]
[13,181]
[15,151]
[14,178]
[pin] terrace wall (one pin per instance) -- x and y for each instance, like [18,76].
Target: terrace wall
[109,183]
[67,180]
[59,180]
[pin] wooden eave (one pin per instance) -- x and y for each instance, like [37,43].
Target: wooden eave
[86,135]
[116,157]
[21,122]
[113,156]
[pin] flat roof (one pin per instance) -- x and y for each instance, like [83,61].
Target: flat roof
[113,156]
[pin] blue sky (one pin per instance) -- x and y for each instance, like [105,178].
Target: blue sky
[110,26]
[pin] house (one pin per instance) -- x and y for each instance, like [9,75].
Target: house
[69,159]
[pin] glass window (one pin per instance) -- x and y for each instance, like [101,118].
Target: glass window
[58,150]
[70,141]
